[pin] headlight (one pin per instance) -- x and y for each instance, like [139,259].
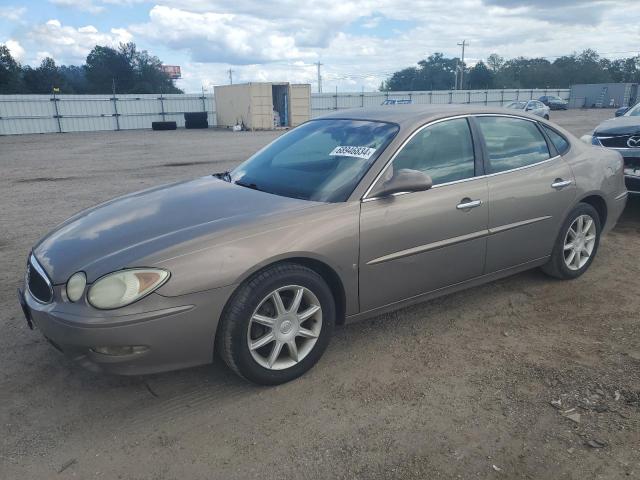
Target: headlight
[119,289]
[75,286]
[595,141]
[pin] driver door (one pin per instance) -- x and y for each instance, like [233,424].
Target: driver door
[414,243]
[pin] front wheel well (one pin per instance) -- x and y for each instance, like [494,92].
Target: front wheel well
[328,274]
[331,278]
[599,204]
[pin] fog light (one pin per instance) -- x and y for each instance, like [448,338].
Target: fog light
[117,350]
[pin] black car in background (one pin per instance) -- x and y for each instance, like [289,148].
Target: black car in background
[554,103]
[622,110]
[623,135]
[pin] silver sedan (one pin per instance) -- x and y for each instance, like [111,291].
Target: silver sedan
[533,107]
[344,217]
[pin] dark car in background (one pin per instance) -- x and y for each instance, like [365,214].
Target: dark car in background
[622,110]
[623,135]
[554,103]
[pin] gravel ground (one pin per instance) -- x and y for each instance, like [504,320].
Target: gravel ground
[526,377]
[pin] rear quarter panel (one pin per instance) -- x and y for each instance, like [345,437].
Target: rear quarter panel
[597,171]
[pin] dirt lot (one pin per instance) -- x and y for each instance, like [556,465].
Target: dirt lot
[460,387]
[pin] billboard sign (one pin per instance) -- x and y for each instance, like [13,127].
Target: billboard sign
[172,71]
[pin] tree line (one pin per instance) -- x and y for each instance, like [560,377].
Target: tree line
[125,68]
[440,73]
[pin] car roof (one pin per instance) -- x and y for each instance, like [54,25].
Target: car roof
[407,115]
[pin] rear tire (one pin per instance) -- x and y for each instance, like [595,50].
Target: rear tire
[546,117]
[277,324]
[576,245]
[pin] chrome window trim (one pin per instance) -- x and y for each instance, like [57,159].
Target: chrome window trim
[365,197]
[524,167]
[33,263]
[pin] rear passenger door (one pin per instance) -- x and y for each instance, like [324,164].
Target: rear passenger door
[531,189]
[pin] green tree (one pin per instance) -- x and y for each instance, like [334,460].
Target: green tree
[10,74]
[44,78]
[480,76]
[105,65]
[495,62]
[434,73]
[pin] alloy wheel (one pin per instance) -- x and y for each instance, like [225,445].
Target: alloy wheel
[285,327]
[579,242]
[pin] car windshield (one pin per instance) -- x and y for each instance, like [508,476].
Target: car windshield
[633,112]
[517,105]
[321,160]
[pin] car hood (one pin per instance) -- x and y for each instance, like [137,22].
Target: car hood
[619,126]
[118,233]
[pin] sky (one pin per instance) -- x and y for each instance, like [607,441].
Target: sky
[359,42]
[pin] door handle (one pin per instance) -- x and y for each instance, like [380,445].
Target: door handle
[467,203]
[558,183]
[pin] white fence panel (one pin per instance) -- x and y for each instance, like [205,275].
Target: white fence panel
[323,103]
[77,113]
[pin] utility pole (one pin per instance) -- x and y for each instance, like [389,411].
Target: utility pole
[463,44]
[319,77]
[230,77]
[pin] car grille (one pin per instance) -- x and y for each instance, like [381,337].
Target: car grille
[38,283]
[615,142]
[632,162]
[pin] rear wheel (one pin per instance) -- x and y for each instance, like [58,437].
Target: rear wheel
[277,325]
[546,117]
[576,245]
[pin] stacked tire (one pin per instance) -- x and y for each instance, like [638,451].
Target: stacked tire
[163,125]
[196,120]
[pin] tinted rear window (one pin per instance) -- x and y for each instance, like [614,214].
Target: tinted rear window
[512,143]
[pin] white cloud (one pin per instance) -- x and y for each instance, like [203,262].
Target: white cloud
[360,42]
[71,45]
[17,51]
[83,5]
[12,13]
[219,37]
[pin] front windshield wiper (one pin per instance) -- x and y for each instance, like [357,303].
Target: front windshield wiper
[226,176]
[252,186]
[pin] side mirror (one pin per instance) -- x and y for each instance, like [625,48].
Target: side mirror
[404,180]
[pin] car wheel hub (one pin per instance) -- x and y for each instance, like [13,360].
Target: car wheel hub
[579,242]
[285,327]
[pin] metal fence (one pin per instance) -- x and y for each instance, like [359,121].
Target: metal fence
[81,113]
[323,103]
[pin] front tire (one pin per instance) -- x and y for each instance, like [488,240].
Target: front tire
[277,324]
[576,245]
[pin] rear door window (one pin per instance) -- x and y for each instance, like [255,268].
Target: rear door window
[512,143]
[561,143]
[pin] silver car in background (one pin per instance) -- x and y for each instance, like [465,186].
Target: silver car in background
[534,107]
[342,218]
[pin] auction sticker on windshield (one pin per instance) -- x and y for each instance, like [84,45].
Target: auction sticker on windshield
[358,152]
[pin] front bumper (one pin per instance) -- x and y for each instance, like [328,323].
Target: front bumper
[178,332]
